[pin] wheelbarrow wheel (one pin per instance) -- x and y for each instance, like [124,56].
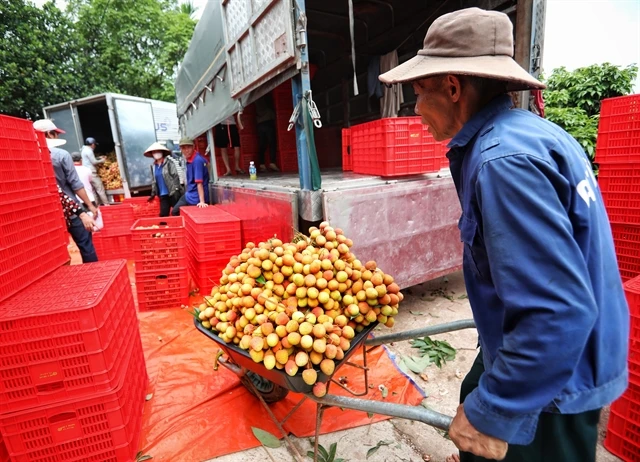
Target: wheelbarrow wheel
[269,391]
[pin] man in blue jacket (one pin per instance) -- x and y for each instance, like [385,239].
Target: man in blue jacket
[539,262]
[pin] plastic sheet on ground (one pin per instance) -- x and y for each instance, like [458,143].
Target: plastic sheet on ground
[195,413]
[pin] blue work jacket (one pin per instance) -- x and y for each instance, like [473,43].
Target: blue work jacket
[540,270]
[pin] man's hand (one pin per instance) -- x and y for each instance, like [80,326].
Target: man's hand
[202,205]
[93,209]
[87,221]
[468,439]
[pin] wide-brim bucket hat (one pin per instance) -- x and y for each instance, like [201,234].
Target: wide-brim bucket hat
[471,42]
[156,147]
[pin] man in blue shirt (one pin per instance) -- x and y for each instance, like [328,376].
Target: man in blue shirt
[197,192]
[69,182]
[539,261]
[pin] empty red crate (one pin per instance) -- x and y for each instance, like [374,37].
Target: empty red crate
[162,289]
[142,208]
[105,426]
[159,243]
[117,219]
[632,292]
[619,178]
[395,147]
[33,242]
[211,229]
[60,346]
[113,247]
[347,163]
[623,437]
[206,275]
[288,160]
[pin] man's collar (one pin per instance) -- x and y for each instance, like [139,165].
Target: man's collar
[190,159]
[471,128]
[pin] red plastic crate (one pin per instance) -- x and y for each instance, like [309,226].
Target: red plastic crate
[395,147]
[619,178]
[117,219]
[33,242]
[16,129]
[159,243]
[103,427]
[211,229]
[623,437]
[47,345]
[347,161]
[288,161]
[162,289]
[142,208]
[206,275]
[113,247]
[632,291]
[4,454]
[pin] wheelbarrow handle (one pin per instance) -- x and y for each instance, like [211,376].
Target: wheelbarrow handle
[402,411]
[422,332]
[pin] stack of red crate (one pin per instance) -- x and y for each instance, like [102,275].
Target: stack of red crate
[72,371]
[395,147]
[287,158]
[113,241]
[33,237]
[213,236]
[618,155]
[142,208]
[623,432]
[160,254]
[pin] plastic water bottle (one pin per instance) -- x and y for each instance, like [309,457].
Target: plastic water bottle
[253,174]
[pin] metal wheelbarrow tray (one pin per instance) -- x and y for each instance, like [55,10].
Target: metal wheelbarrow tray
[277,376]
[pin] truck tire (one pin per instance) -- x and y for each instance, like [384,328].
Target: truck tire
[269,391]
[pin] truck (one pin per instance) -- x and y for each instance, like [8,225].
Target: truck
[242,50]
[121,124]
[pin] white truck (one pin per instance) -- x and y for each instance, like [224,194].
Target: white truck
[120,123]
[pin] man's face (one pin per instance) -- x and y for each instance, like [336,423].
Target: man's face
[434,107]
[187,150]
[201,142]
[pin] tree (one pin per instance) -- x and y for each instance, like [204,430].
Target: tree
[133,47]
[96,46]
[188,8]
[572,99]
[38,52]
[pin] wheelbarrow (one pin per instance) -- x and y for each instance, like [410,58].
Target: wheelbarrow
[273,385]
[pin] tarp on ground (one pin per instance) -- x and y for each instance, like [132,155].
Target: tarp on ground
[195,413]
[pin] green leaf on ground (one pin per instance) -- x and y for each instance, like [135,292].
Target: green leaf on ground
[266,438]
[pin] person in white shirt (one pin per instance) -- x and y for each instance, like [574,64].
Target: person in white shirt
[89,160]
[226,135]
[85,176]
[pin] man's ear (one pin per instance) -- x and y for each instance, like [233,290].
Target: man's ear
[452,87]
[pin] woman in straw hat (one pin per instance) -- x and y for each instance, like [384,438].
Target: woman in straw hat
[165,179]
[539,262]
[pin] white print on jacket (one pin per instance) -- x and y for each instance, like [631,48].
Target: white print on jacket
[587,186]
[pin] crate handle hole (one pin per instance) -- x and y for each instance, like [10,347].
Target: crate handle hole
[50,387]
[62,417]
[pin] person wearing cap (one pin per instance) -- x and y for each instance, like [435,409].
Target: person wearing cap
[197,190]
[68,180]
[539,262]
[165,179]
[85,176]
[89,160]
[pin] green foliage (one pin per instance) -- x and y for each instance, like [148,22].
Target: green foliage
[96,46]
[38,52]
[326,456]
[438,351]
[572,99]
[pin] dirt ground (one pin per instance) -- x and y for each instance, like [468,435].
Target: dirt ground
[438,301]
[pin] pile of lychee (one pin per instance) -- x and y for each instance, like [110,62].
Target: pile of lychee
[297,306]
